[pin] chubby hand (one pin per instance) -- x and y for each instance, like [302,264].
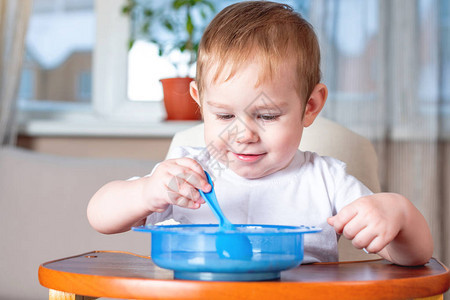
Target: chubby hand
[175,181]
[371,222]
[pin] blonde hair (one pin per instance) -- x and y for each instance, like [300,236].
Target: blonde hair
[266,31]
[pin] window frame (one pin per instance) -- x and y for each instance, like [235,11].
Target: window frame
[110,65]
[110,113]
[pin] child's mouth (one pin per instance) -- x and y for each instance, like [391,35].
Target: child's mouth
[249,157]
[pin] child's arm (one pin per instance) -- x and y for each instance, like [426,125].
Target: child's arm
[387,224]
[119,205]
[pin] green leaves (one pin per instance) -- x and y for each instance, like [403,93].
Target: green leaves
[146,27]
[168,25]
[209,4]
[148,13]
[130,43]
[189,25]
[176,24]
[128,8]
[177,4]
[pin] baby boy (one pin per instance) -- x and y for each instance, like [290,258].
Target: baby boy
[258,86]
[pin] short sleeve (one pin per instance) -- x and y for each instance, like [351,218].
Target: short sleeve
[348,189]
[177,152]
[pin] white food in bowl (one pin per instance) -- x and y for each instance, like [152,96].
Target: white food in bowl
[168,222]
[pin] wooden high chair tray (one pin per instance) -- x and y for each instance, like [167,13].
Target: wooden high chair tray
[126,275]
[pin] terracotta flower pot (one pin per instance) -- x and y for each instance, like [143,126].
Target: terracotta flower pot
[177,100]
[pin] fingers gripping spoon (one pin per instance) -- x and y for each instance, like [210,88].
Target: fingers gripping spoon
[229,243]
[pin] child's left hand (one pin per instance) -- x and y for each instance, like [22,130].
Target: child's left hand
[371,222]
[387,224]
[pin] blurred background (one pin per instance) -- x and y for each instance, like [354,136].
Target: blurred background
[80,78]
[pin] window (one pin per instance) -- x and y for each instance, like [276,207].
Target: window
[358,60]
[112,93]
[146,67]
[26,88]
[84,91]
[59,44]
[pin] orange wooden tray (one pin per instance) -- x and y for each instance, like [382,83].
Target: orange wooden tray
[126,275]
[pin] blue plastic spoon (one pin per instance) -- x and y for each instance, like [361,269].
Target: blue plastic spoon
[229,244]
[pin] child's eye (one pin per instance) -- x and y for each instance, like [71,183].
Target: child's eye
[224,116]
[268,117]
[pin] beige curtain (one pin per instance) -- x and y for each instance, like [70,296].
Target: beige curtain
[14,16]
[387,66]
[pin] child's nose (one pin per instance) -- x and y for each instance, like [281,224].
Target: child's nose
[247,135]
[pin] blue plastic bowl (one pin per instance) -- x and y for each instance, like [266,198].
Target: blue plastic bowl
[190,251]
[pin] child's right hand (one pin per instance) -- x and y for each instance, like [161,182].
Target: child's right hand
[175,182]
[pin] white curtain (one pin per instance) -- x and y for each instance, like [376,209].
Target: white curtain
[387,67]
[14,16]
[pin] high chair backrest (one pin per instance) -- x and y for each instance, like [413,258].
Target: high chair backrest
[326,138]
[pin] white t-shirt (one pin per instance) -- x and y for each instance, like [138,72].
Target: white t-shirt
[307,192]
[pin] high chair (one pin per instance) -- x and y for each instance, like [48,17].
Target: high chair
[326,138]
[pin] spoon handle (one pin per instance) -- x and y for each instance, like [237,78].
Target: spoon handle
[211,199]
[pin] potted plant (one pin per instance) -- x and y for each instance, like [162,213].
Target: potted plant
[176,27]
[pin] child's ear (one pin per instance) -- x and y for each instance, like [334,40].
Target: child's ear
[194,92]
[315,104]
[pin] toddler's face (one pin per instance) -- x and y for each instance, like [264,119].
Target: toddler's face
[255,131]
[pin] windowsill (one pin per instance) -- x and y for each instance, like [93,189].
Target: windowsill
[52,128]
[79,120]
[83,122]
